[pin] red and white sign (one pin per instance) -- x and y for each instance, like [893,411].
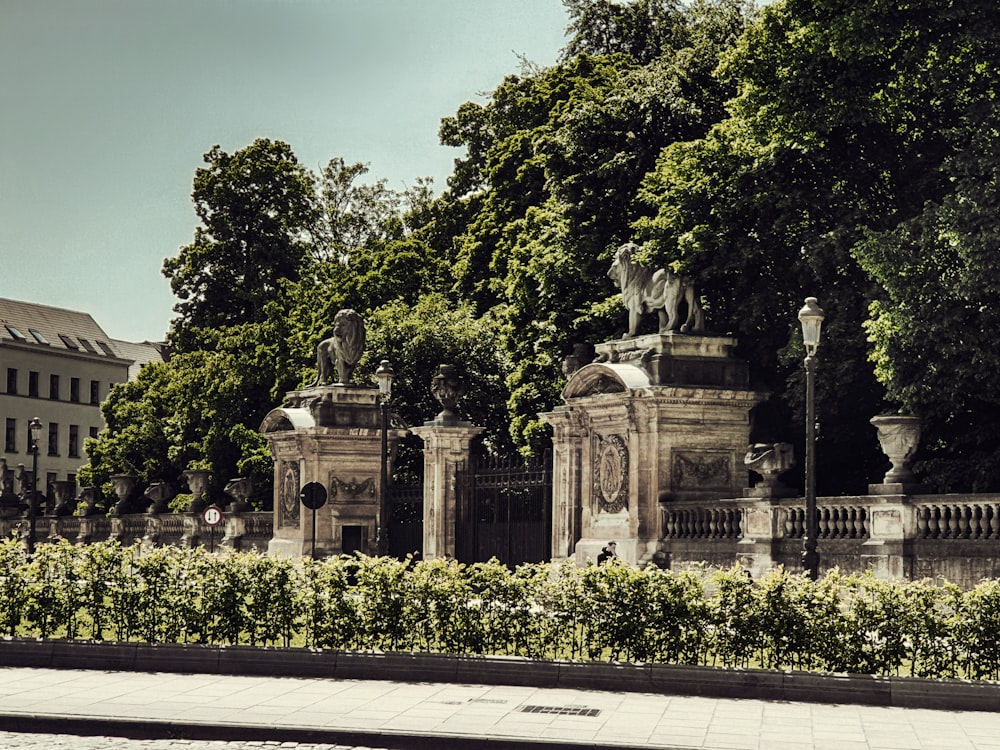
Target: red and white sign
[212,515]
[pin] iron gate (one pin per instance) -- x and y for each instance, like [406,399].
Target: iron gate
[406,520]
[504,511]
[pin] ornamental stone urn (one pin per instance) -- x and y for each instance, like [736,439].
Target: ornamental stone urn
[124,484]
[240,489]
[448,387]
[899,436]
[770,460]
[160,493]
[65,501]
[197,480]
[89,497]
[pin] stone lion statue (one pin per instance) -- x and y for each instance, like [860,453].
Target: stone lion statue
[342,350]
[645,290]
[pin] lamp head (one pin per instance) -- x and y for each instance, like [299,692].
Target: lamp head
[35,428]
[384,375]
[811,317]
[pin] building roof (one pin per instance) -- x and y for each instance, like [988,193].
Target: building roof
[42,325]
[141,353]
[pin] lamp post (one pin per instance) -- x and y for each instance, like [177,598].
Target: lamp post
[384,375]
[35,430]
[811,317]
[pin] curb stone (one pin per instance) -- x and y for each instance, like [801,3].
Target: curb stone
[668,679]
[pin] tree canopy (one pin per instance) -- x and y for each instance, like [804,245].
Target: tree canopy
[807,148]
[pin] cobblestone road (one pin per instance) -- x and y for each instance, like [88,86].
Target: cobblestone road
[24,741]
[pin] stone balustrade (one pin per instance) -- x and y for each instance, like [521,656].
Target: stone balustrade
[960,520]
[692,521]
[954,537]
[835,521]
[152,529]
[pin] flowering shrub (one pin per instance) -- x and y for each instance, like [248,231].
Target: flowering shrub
[841,623]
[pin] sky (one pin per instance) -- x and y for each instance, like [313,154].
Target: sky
[107,108]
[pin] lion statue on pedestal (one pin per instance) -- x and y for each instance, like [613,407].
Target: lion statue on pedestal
[645,290]
[342,350]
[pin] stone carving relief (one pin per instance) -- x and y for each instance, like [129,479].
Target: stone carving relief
[701,470]
[645,290]
[611,474]
[289,494]
[352,489]
[342,350]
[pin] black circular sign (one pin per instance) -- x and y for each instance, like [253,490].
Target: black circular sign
[313,496]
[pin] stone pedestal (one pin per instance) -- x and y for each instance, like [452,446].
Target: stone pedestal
[329,434]
[891,523]
[755,550]
[446,447]
[656,418]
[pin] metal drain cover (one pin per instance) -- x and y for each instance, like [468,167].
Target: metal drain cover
[560,710]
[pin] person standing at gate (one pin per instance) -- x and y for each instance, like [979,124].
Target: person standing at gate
[607,553]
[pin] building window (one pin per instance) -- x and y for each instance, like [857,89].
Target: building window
[15,333]
[33,384]
[54,387]
[94,431]
[95,391]
[74,441]
[10,436]
[38,336]
[12,380]
[53,438]
[74,390]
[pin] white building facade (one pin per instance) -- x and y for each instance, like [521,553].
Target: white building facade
[59,366]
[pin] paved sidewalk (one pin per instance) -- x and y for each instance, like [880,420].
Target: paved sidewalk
[436,715]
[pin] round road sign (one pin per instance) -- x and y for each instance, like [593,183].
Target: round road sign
[313,496]
[212,515]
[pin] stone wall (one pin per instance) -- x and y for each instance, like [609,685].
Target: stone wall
[952,537]
[250,531]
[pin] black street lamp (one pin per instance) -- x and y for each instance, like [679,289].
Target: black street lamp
[384,375]
[811,317]
[35,430]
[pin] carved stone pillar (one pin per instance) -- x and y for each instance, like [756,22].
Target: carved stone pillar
[234,531]
[330,435]
[445,448]
[568,434]
[655,419]
[892,522]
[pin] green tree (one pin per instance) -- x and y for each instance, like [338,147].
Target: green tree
[932,334]
[258,209]
[548,187]
[418,338]
[200,406]
[844,116]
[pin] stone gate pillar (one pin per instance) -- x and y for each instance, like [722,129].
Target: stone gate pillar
[655,419]
[569,435]
[330,434]
[446,447]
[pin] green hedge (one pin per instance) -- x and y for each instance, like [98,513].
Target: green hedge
[841,623]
